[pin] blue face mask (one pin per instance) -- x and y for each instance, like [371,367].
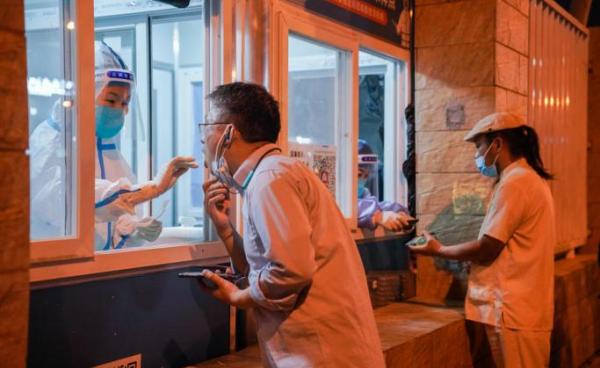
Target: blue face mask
[109,121]
[489,171]
[362,187]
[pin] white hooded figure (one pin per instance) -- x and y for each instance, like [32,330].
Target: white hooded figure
[116,195]
[48,177]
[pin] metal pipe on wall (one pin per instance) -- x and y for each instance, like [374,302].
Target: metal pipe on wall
[251,58]
[252,27]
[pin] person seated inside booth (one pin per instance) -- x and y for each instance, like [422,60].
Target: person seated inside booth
[119,222]
[372,212]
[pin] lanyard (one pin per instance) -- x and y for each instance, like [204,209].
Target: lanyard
[251,174]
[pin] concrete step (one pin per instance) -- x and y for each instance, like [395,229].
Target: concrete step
[413,334]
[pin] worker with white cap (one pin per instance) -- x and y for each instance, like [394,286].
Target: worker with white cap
[511,282]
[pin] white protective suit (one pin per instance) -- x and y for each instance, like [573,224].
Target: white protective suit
[116,194]
[48,179]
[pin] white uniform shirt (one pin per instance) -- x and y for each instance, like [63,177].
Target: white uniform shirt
[516,290]
[314,308]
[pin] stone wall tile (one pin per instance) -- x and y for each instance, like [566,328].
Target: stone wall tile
[523,75]
[511,72]
[452,109]
[455,66]
[425,220]
[524,6]
[462,194]
[13,94]
[512,27]
[444,152]
[520,5]
[510,101]
[455,23]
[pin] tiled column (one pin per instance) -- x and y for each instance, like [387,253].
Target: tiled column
[471,61]
[14,187]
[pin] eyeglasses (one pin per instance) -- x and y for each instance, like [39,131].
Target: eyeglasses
[202,128]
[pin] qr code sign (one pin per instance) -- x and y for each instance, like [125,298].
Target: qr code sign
[320,159]
[324,167]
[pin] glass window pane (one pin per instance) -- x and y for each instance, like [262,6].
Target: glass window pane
[49,33]
[178,104]
[166,53]
[381,150]
[317,107]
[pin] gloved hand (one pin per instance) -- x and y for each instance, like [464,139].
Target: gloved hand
[169,174]
[148,228]
[136,230]
[111,199]
[164,181]
[394,221]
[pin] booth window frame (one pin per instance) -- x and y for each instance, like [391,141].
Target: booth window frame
[74,259]
[290,19]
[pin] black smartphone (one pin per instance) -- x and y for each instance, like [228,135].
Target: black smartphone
[208,283]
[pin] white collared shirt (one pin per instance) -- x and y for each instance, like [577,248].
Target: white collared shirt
[314,308]
[517,289]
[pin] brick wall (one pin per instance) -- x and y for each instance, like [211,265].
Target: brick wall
[576,333]
[594,140]
[14,187]
[471,60]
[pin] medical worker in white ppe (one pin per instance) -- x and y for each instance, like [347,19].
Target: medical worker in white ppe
[116,194]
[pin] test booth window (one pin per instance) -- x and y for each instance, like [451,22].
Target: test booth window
[148,73]
[381,148]
[318,110]
[52,126]
[166,51]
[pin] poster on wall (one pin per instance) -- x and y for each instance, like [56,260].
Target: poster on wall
[386,19]
[321,159]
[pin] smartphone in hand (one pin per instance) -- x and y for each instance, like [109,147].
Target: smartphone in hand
[413,222]
[219,270]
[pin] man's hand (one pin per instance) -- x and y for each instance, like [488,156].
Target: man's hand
[226,291]
[432,247]
[216,203]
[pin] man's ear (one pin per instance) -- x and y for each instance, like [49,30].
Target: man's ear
[499,143]
[228,135]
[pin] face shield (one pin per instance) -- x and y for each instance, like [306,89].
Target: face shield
[117,105]
[113,97]
[368,178]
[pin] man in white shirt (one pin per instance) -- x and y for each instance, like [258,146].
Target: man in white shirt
[511,283]
[306,280]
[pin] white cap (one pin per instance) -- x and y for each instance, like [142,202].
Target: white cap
[495,122]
